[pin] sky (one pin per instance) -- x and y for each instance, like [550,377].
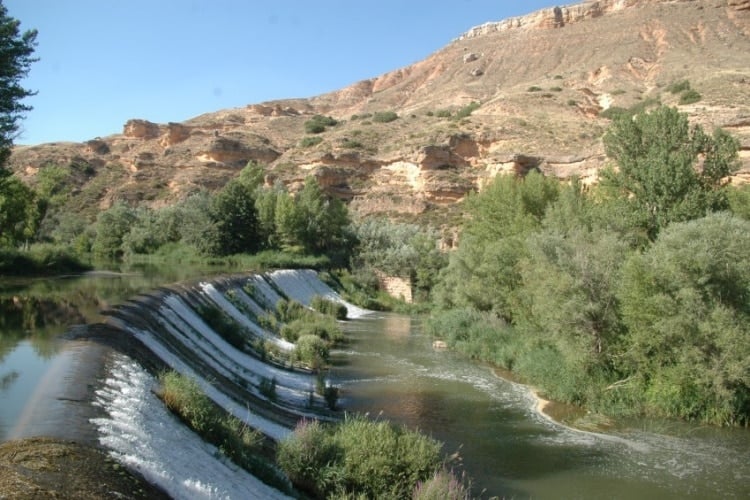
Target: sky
[103,62]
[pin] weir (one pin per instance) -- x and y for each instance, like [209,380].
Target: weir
[170,325]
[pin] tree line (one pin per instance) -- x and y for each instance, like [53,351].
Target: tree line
[630,297]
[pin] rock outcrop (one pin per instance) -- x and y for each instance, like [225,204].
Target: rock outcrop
[505,98]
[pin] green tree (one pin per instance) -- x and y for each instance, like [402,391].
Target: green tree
[17,204]
[313,222]
[484,272]
[669,171]
[686,304]
[112,226]
[146,234]
[568,302]
[266,200]
[16,51]
[236,219]
[18,212]
[198,228]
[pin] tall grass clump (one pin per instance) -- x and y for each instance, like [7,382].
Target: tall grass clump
[234,439]
[443,485]
[359,457]
[328,307]
[227,328]
[321,326]
[312,351]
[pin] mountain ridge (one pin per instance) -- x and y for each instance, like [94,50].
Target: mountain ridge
[530,92]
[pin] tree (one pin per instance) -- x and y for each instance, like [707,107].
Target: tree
[669,171]
[312,222]
[484,272]
[112,226]
[236,219]
[16,51]
[18,212]
[17,204]
[686,305]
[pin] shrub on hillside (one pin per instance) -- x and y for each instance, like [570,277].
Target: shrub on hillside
[384,116]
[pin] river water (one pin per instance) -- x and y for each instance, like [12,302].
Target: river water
[388,370]
[510,449]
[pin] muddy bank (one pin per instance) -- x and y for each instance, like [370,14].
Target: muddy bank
[49,468]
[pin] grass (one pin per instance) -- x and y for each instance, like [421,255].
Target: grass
[328,307]
[40,260]
[359,458]
[234,439]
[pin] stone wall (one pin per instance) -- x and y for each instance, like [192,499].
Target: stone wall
[396,287]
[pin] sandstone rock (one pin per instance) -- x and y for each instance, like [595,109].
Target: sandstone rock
[140,129]
[470,56]
[739,4]
[98,146]
[437,157]
[174,133]
[224,151]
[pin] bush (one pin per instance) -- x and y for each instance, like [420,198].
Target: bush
[677,87]
[312,351]
[534,88]
[314,128]
[690,97]
[267,387]
[183,396]
[351,144]
[358,457]
[40,260]
[227,328]
[323,327]
[467,110]
[289,310]
[308,142]
[328,307]
[384,116]
[318,124]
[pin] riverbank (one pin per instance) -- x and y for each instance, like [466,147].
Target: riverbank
[52,468]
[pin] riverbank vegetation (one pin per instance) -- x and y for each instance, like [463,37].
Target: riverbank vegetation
[353,457]
[630,297]
[362,458]
[234,439]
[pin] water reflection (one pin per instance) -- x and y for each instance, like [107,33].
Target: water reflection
[35,313]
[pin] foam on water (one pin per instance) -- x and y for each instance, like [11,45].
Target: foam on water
[217,298]
[303,284]
[141,433]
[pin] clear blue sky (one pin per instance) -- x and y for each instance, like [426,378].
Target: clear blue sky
[103,62]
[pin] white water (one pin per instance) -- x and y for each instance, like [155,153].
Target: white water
[303,285]
[217,298]
[142,434]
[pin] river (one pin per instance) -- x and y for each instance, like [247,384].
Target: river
[388,370]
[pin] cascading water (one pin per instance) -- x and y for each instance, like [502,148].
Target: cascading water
[388,370]
[141,433]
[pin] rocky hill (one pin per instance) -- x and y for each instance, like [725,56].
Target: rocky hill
[532,92]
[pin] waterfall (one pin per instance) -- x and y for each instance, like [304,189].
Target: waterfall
[169,325]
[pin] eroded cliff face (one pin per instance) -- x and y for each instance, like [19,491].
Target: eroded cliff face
[504,98]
